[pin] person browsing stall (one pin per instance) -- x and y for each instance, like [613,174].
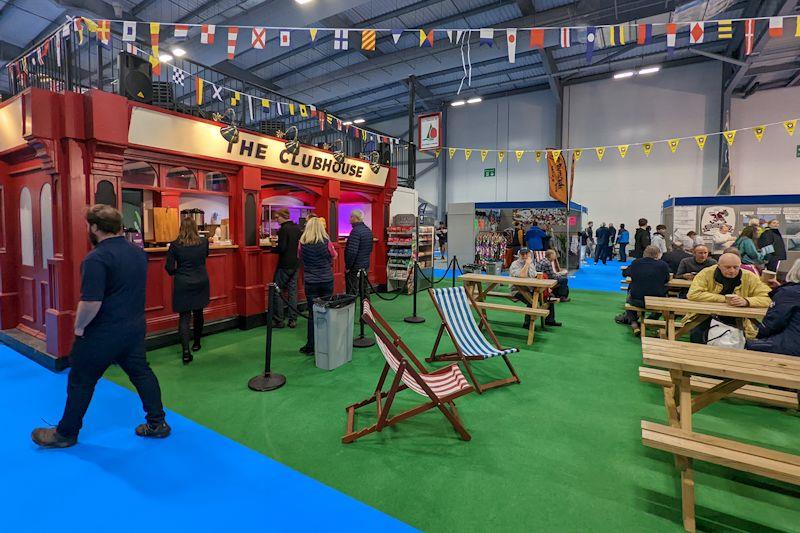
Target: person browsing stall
[186,263]
[780,330]
[534,238]
[623,239]
[357,250]
[727,278]
[316,253]
[109,329]
[649,276]
[771,236]
[524,267]
[286,272]
[690,266]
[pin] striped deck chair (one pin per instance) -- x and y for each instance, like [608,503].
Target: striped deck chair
[455,307]
[439,388]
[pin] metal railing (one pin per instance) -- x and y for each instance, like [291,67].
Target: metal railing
[93,65]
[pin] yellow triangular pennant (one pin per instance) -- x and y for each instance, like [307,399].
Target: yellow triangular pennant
[313,32]
[538,155]
[291,109]
[673,144]
[577,154]
[623,150]
[501,155]
[452,152]
[729,136]
[758,131]
[467,153]
[700,140]
[555,153]
[484,153]
[600,151]
[647,147]
[790,126]
[519,154]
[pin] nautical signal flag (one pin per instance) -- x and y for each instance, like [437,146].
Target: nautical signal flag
[467,153]
[776,27]
[235,98]
[155,28]
[672,30]
[104,32]
[623,150]
[616,35]
[797,27]
[564,37]
[790,126]
[207,33]
[484,153]
[233,35]
[426,39]
[128,32]
[285,38]
[303,111]
[749,35]
[725,29]
[700,140]
[181,31]
[198,89]
[696,32]
[600,151]
[644,33]
[591,34]
[758,131]
[368,40]
[487,37]
[647,147]
[537,38]
[673,144]
[519,154]
[729,136]
[258,38]
[396,34]
[500,156]
[340,40]
[511,43]
[451,152]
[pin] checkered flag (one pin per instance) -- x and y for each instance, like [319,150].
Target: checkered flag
[178,76]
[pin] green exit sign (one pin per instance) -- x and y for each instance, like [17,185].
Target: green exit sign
[797,153]
[490,172]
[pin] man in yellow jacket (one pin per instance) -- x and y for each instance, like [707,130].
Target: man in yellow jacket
[727,277]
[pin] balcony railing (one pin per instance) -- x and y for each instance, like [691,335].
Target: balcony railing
[74,66]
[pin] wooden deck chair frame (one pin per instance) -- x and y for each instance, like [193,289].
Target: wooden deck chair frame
[458,355]
[394,344]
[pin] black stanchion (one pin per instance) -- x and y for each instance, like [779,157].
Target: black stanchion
[455,267]
[361,341]
[269,380]
[414,318]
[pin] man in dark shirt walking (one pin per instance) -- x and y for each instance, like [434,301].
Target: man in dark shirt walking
[601,251]
[357,250]
[109,328]
[286,273]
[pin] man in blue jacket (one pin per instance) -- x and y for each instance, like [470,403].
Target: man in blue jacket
[534,236]
[357,250]
[623,238]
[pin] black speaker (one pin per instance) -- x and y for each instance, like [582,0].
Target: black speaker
[385,151]
[135,78]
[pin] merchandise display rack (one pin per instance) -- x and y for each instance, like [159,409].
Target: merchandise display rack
[403,247]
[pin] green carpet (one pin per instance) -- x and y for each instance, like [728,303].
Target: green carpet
[560,452]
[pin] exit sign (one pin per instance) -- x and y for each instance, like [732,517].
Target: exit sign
[490,172]
[797,153]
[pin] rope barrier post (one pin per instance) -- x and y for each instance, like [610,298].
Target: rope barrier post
[455,265]
[361,341]
[269,380]
[414,318]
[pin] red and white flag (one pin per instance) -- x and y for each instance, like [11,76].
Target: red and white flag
[207,33]
[181,31]
[749,35]
[696,32]
[285,38]
[511,41]
[672,29]
[776,27]
[259,38]
[565,38]
[233,35]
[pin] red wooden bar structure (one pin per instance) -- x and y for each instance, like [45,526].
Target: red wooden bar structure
[60,152]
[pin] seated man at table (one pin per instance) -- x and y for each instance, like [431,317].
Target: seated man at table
[549,267]
[727,277]
[700,259]
[674,257]
[524,267]
[649,276]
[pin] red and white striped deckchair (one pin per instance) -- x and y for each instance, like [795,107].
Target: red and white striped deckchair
[440,387]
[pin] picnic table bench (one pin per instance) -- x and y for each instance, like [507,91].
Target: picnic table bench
[670,307]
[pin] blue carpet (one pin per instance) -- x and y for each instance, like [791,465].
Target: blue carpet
[196,480]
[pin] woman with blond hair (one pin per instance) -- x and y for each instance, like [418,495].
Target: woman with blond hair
[316,254]
[186,263]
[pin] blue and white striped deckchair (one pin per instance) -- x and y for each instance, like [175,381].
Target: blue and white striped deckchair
[455,306]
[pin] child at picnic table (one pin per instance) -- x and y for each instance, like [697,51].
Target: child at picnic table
[727,278]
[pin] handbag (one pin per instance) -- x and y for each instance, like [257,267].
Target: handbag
[724,336]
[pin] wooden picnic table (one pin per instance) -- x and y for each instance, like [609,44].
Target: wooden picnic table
[670,307]
[531,289]
[735,369]
[674,283]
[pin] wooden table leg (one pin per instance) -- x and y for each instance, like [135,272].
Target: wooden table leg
[687,497]
[669,318]
[684,390]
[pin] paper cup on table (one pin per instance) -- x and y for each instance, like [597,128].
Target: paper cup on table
[728,298]
[768,275]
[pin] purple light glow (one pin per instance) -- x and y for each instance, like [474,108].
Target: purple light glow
[344,216]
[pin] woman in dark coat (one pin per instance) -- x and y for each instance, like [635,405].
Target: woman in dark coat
[186,262]
[317,254]
[780,330]
[772,235]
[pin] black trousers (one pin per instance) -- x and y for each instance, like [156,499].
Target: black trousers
[600,253]
[351,281]
[623,252]
[315,290]
[286,279]
[183,327]
[91,356]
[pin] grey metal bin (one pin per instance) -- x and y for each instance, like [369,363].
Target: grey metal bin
[333,330]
